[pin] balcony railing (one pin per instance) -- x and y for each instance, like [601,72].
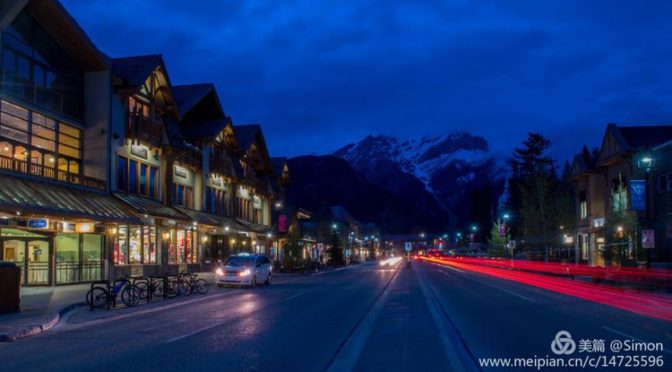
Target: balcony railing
[144,129]
[39,170]
[33,93]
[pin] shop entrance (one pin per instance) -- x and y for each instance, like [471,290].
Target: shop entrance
[30,252]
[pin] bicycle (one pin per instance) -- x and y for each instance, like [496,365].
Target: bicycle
[99,297]
[195,285]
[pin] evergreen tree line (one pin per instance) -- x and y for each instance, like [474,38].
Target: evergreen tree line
[541,200]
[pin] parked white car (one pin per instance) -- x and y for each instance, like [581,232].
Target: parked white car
[244,270]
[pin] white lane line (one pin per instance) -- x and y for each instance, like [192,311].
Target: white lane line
[211,326]
[163,325]
[502,289]
[446,274]
[349,353]
[630,337]
[456,351]
[294,296]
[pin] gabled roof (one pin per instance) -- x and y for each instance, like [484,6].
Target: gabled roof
[187,96]
[620,140]
[61,27]
[579,166]
[639,138]
[246,135]
[135,70]
[202,101]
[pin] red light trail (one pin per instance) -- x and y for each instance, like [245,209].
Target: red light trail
[647,304]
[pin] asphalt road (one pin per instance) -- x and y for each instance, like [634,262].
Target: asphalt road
[364,318]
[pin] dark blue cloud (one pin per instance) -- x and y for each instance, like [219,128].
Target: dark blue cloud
[320,74]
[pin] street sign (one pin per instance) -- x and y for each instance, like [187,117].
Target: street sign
[648,239]
[408,246]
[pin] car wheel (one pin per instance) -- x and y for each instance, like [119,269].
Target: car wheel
[268,279]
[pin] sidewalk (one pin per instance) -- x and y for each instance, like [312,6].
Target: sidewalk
[41,308]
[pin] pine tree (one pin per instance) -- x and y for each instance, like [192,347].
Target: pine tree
[336,250]
[533,189]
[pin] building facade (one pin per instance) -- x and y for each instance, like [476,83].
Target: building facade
[107,169]
[622,202]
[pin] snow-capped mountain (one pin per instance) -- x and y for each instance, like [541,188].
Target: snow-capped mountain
[433,170]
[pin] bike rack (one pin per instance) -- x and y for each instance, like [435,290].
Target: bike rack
[152,280]
[165,283]
[100,284]
[142,279]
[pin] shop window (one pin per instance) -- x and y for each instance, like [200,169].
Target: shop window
[183,247]
[120,250]
[172,247]
[143,179]
[67,258]
[149,246]
[135,245]
[92,246]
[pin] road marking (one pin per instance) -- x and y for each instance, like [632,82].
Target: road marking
[114,318]
[294,296]
[446,274]
[502,289]
[458,354]
[163,325]
[211,326]
[348,353]
[630,337]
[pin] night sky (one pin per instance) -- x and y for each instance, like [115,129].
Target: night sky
[320,74]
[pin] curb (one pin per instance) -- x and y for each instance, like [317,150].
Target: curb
[52,320]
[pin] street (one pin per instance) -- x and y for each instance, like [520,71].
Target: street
[364,317]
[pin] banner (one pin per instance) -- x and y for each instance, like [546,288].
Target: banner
[637,195]
[503,229]
[648,239]
[282,223]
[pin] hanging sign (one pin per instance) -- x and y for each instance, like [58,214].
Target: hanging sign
[38,223]
[648,239]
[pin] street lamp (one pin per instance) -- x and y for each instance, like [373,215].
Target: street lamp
[648,164]
[474,228]
[422,235]
[334,226]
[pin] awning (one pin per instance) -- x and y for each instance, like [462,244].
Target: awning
[27,196]
[211,219]
[150,207]
[256,228]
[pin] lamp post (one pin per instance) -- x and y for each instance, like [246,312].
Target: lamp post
[648,164]
[506,218]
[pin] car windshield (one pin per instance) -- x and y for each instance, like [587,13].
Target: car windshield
[239,261]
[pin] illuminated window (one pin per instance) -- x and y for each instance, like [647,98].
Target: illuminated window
[583,205]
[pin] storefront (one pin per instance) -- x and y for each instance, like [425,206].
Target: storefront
[49,255]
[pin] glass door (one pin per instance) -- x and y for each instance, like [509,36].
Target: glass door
[37,262]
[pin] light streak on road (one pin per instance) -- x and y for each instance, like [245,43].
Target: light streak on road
[648,304]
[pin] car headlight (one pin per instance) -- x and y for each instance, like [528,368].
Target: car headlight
[219,272]
[245,272]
